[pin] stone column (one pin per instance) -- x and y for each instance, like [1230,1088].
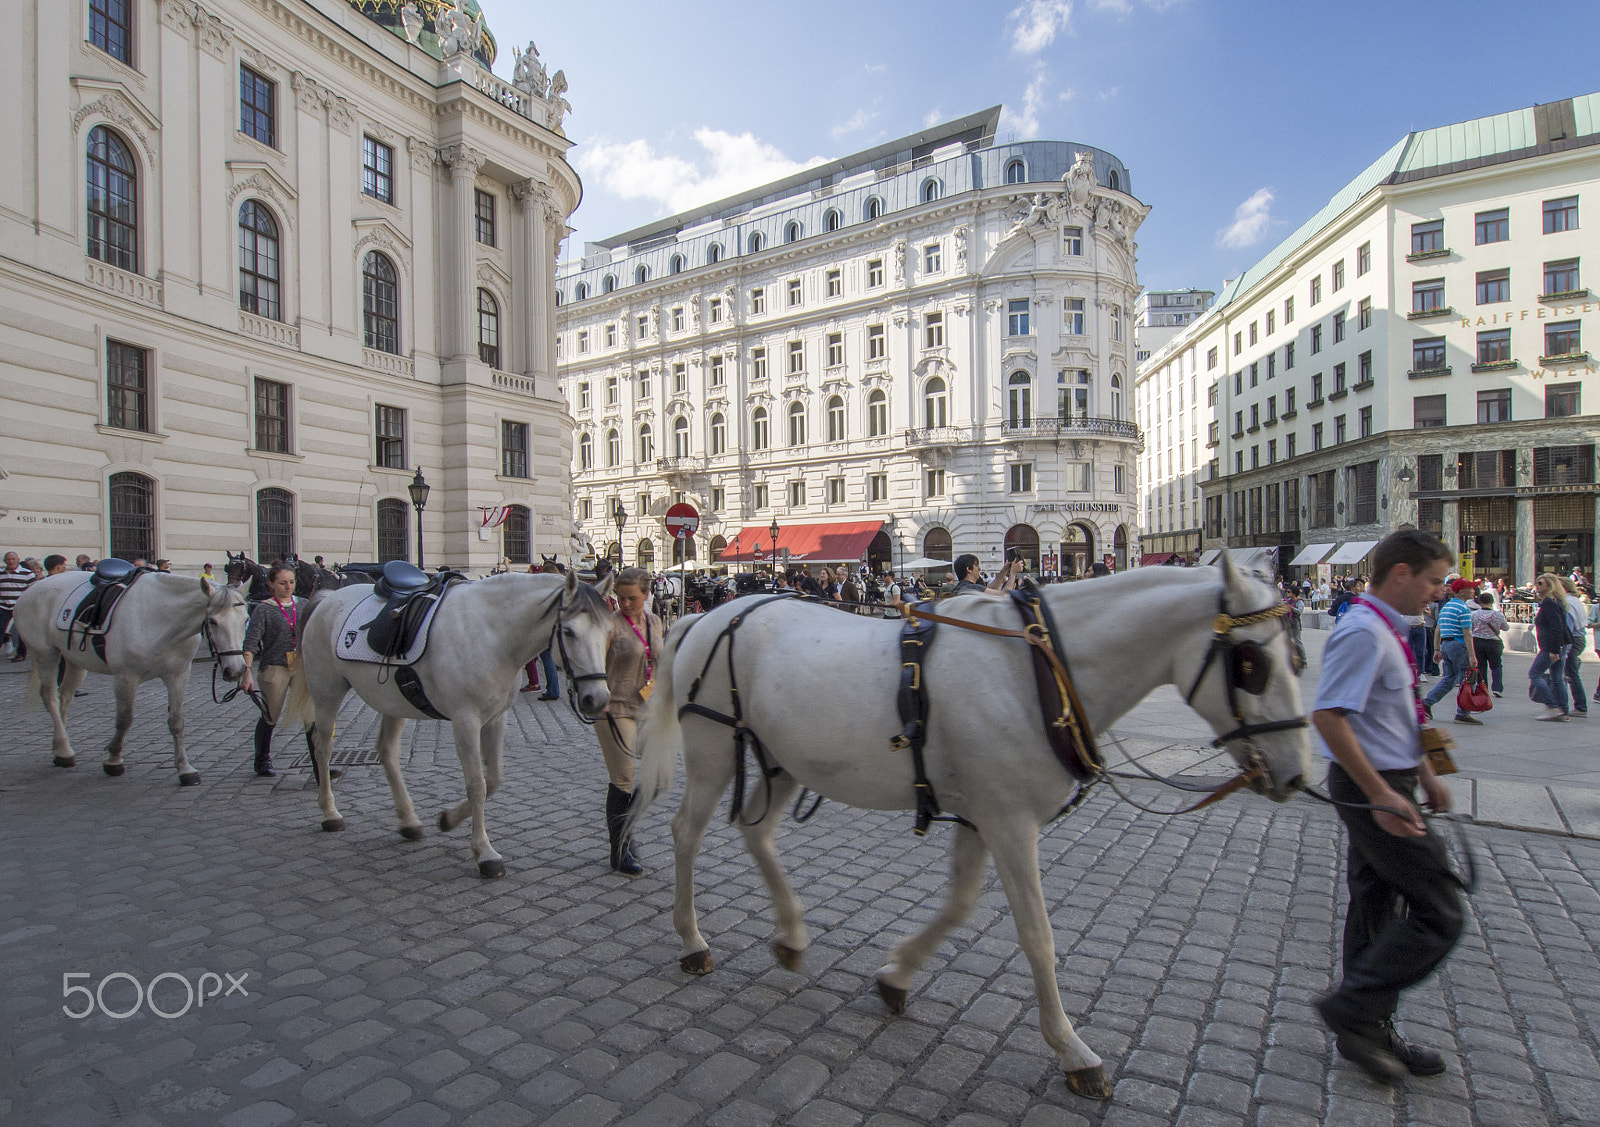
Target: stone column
[536,202]
[1526,563]
[460,294]
[1450,526]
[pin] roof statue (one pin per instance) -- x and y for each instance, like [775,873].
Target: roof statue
[530,76]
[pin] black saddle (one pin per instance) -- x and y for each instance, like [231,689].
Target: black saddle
[113,570]
[408,593]
[110,579]
[367,572]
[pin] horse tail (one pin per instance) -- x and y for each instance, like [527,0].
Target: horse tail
[298,705]
[660,737]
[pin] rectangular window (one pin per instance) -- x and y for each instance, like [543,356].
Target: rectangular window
[642,327]
[835,283]
[758,495]
[1427,411]
[1254,334]
[715,372]
[1119,479]
[1494,286]
[1072,240]
[389,425]
[1338,327]
[611,336]
[1116,322]
[1272,365]
[1272,321]
[1339,430]
[1211,358]
[1563,465]
[835,350]
[1364,314]
[716,310]
[1073,307]
[1238,383]
[1272,408]
[680,379]
[583,397]
[258,116]
[1494,346]
[1316,436]
[758,364]
[1428,354]
[585,509]
[272,416]
[934,480]
[1255,374]
[797,494]
[797,357]
[483,214]
[583,340]
[1427,237]
[874,273]
[1561,215]
[1561,277]
[1564,338]
[677,319]
[1366,422]
[877,347]
[1255,417]
[1017,317]
[1316,289]
[1021,477]
[1288,356]
[1363,259]
[1427,296]
[1288,310]
[1289,444]
[933,330]
[758,300]
[1316,389]
[836,491]
[1288,401]
[1363,369]
[1493,226]
[794,292]
[1495,406]
[932,259]
[377,170]
[1560,401]
[1316,338]
[1238,343]
[611,391]
[1238,424]
[877,487]
[513,449]
[111,30]
[1272,451]
[127,386]
[1338,276]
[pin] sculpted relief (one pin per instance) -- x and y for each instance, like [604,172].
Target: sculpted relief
[1081,202]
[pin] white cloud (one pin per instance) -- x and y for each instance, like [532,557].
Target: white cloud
[1025,122]
[859,120]
[1035,24]
[1250,221]
[1107,95]
[730,163]
[874,68]
[932,117]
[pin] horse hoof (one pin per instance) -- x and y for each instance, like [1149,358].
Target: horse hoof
[444,822]
[332,825]
[112,769]
[62,761]
[491,869]
[697,963]
[411,833]
[1090,1082]
[893,996]
[187,779]
[788,957]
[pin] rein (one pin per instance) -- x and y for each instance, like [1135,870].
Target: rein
[573,679]
[216,664]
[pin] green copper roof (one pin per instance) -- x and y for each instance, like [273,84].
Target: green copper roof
[387,14]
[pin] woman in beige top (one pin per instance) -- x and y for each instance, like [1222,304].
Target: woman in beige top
[636,637]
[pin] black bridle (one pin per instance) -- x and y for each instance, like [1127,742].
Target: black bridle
[1245,665]
[216,660]
[573,679]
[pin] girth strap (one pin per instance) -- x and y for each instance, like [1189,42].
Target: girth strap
[916,639]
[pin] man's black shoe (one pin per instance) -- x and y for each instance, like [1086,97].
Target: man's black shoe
[549,696]
[1418,1060]
[1365,1044]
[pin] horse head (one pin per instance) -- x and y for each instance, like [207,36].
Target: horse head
[226,620]
[582,635]
[1246,682]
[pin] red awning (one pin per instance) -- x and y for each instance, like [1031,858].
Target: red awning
[1150,559]
[807,543]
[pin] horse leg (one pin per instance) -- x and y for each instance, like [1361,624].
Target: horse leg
[389,731]
[967,856]
[71,677]
[127,688]
[1016,858]
[705,778]
[489,754]
[326,698]
[187,775]
[44,669]
[760,838]
[468,750]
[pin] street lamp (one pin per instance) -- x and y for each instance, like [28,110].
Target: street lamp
[773,529]
[619,514]
[419,490]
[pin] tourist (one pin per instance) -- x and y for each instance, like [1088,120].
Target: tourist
[1578,623]
[14,580]
[1551,628]
[1487,625]
[1456,645]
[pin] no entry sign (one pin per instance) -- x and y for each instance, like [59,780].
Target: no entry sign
[682,521]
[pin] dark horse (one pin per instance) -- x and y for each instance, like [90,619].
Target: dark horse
[308,577]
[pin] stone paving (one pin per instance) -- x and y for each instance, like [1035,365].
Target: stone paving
[387,984]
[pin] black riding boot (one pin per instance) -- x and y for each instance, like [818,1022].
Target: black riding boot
[264,750]
[618,802]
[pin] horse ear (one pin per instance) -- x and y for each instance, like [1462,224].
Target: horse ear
[603,587]
[1236,582]
[571,585]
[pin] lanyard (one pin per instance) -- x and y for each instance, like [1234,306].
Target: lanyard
[1411,658]
[291,615]
[644,639]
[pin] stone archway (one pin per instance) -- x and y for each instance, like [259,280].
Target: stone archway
[880,553]
[1077,550]
[1025,539]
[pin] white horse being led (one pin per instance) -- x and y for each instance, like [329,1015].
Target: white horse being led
[482,635]
[987,755]
[155,631]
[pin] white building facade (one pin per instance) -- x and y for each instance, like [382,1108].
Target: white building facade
[919,350]
[261,260]
[1160,315]
[1418,353]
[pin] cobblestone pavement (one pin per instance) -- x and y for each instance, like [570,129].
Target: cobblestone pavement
[388,984]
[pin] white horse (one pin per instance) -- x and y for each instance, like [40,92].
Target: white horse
[987,754]
[482,635]
[155,630]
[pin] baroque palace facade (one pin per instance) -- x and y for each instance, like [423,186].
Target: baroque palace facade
[1418,353]
[917,350]
[262,260]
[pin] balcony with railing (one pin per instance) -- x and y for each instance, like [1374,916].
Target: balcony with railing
[683,464]
[941,436]
[1071,427]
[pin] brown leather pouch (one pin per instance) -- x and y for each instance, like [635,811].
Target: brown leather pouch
[1436,745]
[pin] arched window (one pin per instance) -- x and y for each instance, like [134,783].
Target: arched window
[675,265]
[558,297]
[1114,182]
[758,429]
[488,329]
[680,437]
[874,207]
[791,231]
[113,201]
[394,530]
[836,419]
[935,404]
[713,254]
[258,261]
[877,413]
[274,524]
[1016,172]
[641,275]
[682,550]
[380,303]
[1021,400]
[614,553]
[133,516]
[1116,397]
[647,444]
[797,423]
[585,451]
[516,540]
[647,553]
[580,291]
[936,544]
[756,242]
[833,220]
[613,448]
[1119,545]
[718,545]
[930,190]
[1025,539]
[1077,550]
[719,434]
[608,283]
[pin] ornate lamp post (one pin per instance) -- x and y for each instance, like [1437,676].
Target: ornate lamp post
[419,490]
[773,529]
[619,515]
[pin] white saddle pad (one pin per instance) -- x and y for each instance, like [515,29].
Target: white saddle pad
[74,601]
[351,645]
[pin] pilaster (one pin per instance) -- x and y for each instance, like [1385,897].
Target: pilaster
[458,297]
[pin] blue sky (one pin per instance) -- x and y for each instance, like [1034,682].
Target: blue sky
[1236,118]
